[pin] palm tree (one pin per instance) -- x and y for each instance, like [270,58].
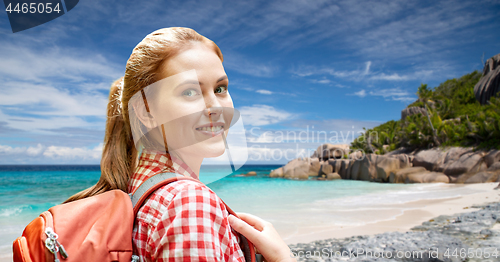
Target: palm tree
[424,95]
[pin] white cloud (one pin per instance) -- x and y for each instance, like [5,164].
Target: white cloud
[8,150]
[40,153]
[395,94]
[42,64]
[264,92]
[391,77]
[80,153]
[35,151]
[259,115]
[321,81]
[361,93]
[366,74]
[43,99]
[46,87]
[242,64]
[367,67]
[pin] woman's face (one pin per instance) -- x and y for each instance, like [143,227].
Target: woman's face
[192,104]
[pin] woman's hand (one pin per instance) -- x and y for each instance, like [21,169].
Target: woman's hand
[263,235]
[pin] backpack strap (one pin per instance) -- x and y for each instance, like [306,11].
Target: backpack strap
[150,185]
[155,182]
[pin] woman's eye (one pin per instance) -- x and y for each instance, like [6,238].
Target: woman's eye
[221,89]
[189,92]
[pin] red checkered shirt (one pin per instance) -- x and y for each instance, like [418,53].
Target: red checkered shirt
[181,221]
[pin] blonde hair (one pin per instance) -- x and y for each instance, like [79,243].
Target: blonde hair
[119,154]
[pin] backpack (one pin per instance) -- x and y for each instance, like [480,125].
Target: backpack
[97,228]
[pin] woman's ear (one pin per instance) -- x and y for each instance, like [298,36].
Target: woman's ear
[146,118]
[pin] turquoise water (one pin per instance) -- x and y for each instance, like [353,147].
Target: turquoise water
[27,191]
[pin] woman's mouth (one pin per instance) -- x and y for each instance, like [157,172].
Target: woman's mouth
[211,129]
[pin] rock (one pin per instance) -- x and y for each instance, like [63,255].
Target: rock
[384,167]
[489,84]
[453,154]
[453,161]
[494,167]
[326,151]
[314,167]
[251,173]
[335,165]
[434,240]
[296,169]
[345,168]
[325,168]
[462,178]
[365,169]
[492,157]
[400,175]
[332,176]
[276,172]
[468,162]
[402,150]
[427,177]
[404,160]
[483,177]
[412,111]
[357,155]
[429,159]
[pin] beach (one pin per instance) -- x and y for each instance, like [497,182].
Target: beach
[472,233]
[410,214]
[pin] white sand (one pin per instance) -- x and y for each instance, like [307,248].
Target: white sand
[412,214]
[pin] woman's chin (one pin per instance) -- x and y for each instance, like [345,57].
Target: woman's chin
[213,149]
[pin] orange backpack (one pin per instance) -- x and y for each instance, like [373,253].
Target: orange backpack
[97,228]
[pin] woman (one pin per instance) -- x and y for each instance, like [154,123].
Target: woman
[172,109]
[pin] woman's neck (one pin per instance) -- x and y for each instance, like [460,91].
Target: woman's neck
[192,162]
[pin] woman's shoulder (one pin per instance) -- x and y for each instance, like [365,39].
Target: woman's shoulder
[181,196]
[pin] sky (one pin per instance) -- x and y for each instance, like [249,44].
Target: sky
[294,67]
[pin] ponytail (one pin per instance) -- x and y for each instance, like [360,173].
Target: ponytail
[118,155]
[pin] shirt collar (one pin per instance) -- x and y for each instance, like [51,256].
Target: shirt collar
[152,162]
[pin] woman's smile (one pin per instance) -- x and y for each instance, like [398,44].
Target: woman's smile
[211,129]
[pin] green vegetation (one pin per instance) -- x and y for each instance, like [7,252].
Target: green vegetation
[452,117]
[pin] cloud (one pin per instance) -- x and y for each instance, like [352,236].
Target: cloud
[260,115]
[242,64]
[321,81]
[50,154]
[420,72]
[395,94]
[34,151]
[29,63]
[424,30]
[46,87]
[360,93]
[391,77]
[81,153]
[264,92]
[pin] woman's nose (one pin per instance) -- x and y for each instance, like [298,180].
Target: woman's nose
[213,107]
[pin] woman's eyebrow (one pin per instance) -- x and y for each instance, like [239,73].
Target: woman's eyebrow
[189,81]
[222,78]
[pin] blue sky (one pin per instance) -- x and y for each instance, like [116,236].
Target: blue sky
[333,66]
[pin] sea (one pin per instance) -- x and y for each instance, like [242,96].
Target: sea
[28,190]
